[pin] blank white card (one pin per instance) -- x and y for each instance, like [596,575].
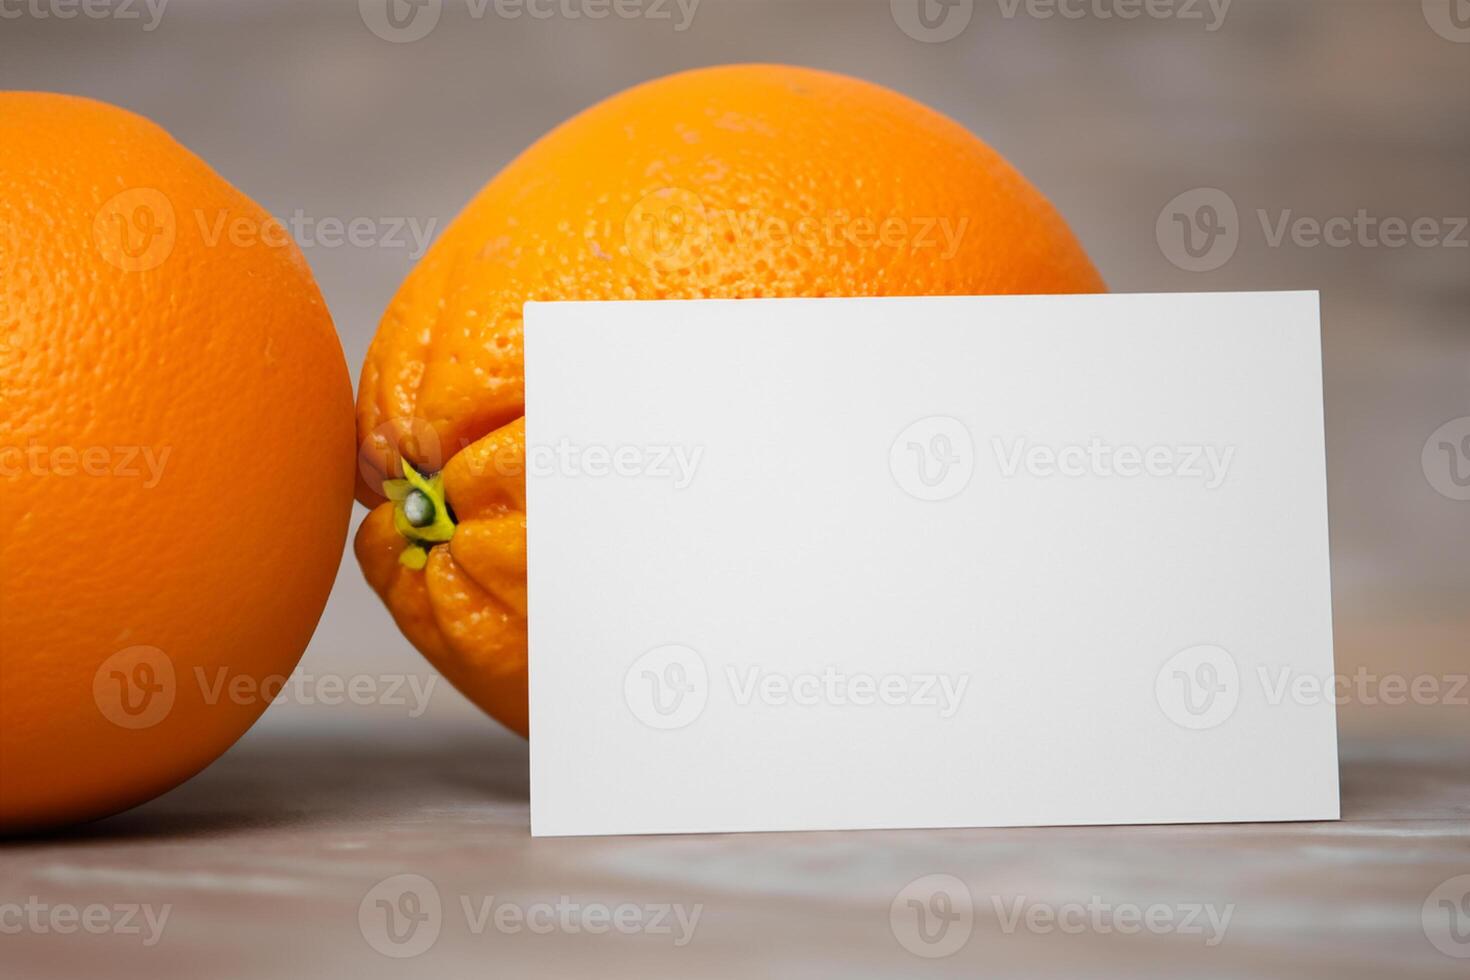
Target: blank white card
[927,562]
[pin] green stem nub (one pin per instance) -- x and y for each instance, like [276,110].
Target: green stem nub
[420,514]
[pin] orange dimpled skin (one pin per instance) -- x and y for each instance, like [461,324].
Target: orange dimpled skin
[735,182]
[176,460]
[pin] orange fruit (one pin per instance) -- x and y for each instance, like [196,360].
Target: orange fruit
[732,182]
[177,457]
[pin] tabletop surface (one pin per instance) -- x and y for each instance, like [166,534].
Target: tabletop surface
[289,857]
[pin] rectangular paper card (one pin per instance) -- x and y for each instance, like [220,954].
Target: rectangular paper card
[927,562]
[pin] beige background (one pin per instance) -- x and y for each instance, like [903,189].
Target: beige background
[1316,108]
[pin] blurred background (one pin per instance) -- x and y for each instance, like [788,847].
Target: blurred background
[1242,124]
[1286,112]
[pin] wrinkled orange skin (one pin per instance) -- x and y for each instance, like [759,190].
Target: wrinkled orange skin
[733,150]
[218,351]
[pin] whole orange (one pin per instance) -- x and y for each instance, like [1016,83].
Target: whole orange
[732,182]
[177,456]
